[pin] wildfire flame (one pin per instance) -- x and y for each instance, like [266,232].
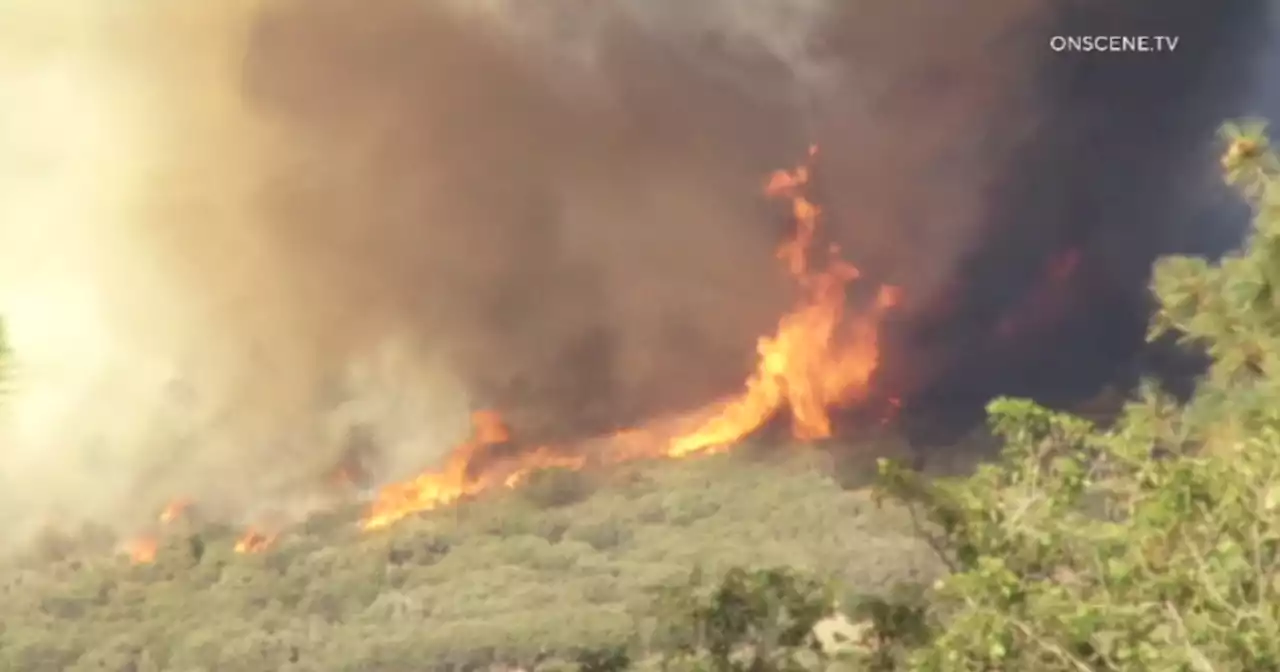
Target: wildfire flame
[174,510]
[254,541]
[817,359]
[820,358]
[143,550]
[432,489]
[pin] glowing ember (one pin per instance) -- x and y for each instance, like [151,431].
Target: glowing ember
[1047,302]
[891,414]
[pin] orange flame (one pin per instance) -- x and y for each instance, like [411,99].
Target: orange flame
[253,541]
[433,489]
[174,510]
[819,358]
[143,551]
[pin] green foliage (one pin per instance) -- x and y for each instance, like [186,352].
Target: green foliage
[500,583]
[748,621]
[898,623]
[604,659]
[556,486]
[1150,545]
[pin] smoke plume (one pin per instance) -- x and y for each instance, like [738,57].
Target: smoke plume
[1117,168]
[242,237]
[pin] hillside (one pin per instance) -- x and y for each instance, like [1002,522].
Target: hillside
[510,578]
[1152,543]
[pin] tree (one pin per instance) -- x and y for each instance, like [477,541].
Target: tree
[1152,544]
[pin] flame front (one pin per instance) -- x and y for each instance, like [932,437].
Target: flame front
[462,477]
[820,358]
[433,489]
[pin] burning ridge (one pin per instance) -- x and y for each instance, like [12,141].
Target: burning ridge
[822,357]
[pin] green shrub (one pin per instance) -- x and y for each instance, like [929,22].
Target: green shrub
[605,659]
[556,486]
[1150,545]
[750,621]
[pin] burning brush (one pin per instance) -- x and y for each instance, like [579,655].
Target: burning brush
[821,358]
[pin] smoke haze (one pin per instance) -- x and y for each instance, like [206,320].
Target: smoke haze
[236,235]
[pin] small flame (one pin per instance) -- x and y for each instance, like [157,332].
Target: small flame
[143,551]
[174,510]
[542,458]
[253,541]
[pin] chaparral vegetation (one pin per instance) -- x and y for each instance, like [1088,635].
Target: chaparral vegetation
[1148,543]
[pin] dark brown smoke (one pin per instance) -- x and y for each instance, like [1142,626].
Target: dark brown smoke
[1117,169]
[581,258]
[581,236]
[587,239]
[353,221]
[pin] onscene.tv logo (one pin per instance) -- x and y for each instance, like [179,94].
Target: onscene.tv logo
[1114,43]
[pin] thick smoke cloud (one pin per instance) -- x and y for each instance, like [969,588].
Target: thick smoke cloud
[565,250]
[575,214]
[294,223]
[1118,167]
